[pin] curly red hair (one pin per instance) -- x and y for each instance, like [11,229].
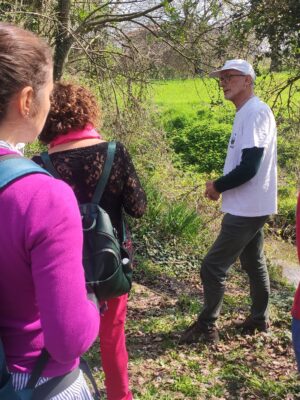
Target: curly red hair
[72,107]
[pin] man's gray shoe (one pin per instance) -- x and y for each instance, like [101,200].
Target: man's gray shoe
[199,332]
[251,326]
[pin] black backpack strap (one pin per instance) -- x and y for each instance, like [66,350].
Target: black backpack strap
[4,374]
[55,386]
[111,149]
[84,366]
[48,164]
[124,230]
[7,391]
[13,167]
[38,368]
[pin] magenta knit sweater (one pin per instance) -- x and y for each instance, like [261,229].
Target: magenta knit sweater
[43,299]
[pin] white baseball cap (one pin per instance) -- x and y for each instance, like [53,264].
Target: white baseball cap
[239,65]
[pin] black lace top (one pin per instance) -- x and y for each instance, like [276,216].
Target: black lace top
[81,169]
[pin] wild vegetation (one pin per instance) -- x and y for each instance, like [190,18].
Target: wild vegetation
[177,131]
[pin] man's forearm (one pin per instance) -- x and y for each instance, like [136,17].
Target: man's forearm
[246,170]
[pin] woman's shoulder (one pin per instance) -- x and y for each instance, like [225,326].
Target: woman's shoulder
[119,145]
[121,149]
[41,187]
[41,198]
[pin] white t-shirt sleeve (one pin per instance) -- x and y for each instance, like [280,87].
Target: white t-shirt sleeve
[256,129]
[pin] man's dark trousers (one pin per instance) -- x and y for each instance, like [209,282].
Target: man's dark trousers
[239,237]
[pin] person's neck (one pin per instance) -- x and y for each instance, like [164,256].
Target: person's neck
[243,100]
[11,140]
[11,132]
[76,144]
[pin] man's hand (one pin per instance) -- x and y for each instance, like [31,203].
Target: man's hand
[211,193]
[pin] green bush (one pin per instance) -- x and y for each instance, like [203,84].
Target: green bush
[285,220]
[178,122]
[34,148]
[203,145]
[289,145]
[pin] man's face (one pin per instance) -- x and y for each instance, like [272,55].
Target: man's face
[234,84]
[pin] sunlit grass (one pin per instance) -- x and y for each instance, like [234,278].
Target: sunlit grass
[188,95]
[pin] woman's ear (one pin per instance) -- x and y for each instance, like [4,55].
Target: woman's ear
[25,101]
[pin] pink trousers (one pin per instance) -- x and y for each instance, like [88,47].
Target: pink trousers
[113,349]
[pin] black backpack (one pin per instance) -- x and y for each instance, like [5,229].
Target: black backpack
[106,262]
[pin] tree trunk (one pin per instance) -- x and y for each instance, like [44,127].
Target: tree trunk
[62,49]
[63,39]
[275,62]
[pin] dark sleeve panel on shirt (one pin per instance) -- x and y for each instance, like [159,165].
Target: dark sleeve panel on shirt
[246,170]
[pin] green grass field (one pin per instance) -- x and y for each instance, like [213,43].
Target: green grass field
[184,93]
[188,95]
[185,97]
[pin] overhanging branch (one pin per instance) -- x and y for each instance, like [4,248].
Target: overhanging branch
[101,20]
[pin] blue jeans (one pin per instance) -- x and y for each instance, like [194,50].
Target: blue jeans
[240,237]
[296,339]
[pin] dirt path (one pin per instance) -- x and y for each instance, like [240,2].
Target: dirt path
[291,271]
[284,255]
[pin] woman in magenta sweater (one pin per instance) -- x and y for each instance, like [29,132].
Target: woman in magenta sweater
[43,299]
[296,305]
[78,154]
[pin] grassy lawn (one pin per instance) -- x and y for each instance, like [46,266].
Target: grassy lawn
[184,94]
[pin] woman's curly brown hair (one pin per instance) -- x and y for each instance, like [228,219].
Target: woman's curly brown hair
[72,107]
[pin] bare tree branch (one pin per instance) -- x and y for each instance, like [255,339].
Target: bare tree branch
[104,19]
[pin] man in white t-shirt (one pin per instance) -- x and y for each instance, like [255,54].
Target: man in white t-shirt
[249,196]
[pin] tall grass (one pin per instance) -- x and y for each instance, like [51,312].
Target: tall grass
[170,218]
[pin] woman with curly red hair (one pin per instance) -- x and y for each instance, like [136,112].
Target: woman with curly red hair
[78,154]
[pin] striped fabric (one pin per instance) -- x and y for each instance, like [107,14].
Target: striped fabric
[77,391]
